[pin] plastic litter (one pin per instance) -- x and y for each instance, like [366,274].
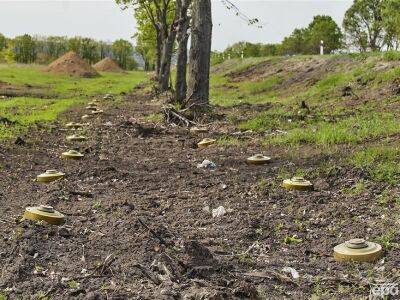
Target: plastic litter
[206,164]
[206,209]
[292,272]
[218,212]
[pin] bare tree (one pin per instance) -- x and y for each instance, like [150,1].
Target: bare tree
[200,52]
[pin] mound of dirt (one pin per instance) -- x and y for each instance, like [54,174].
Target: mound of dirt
[107,65]
[72,64]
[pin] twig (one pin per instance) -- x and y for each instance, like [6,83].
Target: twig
[269,274]
[82,193]
[174,116]
[147,273]
[162,241]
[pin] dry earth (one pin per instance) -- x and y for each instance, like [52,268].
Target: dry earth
[138,228]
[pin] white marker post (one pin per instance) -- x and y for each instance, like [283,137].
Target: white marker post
[242,55]
[322,48]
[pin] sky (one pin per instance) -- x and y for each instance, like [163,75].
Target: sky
[104,20]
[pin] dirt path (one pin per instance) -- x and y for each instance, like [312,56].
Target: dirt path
[138,227]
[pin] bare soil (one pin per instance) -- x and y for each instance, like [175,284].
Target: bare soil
[13,90]
[72,64]
[107,65]
[138,228]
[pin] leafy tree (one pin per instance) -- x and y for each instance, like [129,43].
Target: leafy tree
[391,22]
[74,44]
[89,50]
[24,49]
[50,48]
[162,15]
[294,44]
[3,42]
[323,28]
[269,49]
[364,26]
[104,49]
[146,40]
[122,52]
[7,54]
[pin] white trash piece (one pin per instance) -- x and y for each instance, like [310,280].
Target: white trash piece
[292,272]
[207,164]
[218,212]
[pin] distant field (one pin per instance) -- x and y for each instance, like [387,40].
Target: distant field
[41,96]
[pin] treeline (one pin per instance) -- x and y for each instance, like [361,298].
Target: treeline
[368,25]
[43,50]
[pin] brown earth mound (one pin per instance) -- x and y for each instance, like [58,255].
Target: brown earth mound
[107,65]
[71,64]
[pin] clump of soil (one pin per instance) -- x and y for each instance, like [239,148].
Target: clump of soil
[72,64]
[108,65]
[8,90]
[4,84]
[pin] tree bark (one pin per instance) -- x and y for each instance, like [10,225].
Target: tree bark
[182,39]
[200,51]
[158,54]
[165,67]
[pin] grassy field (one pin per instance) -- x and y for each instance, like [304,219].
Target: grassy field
[365,121]
[59,93]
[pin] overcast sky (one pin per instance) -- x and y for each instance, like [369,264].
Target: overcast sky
[104,20]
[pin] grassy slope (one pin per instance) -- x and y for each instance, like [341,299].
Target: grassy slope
[63,91]
[366,122]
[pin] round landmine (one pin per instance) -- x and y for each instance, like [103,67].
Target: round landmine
[85,117]
[97,112]
[298,183]
[49,176]
[357,250]
[44,213]
[258,159]
[76,138]
[74,125]
[198,130]
[72,154]
[205,143]
[91,107]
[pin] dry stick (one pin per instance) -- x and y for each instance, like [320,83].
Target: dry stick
[81,193]
[162,241]
[147,273]
[171,111]
[269,274]
[106,264]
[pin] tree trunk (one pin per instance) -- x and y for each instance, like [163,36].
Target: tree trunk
[200,51]
[165,67]
[158,54]
[182,38]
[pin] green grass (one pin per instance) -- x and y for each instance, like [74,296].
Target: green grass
[226,93]
[27,111]
[63,92]
[392,55]
[67,86]
[275,118]
[239,65]
[350,130]
[382,163]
